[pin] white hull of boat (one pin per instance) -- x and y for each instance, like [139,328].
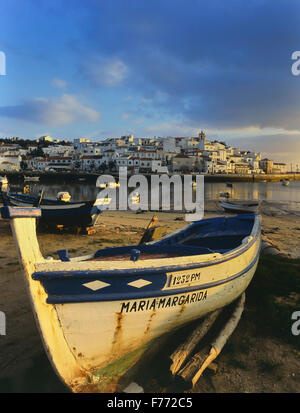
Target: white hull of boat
[232,207]
[102,333]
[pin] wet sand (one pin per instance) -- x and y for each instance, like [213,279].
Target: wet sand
[24,367]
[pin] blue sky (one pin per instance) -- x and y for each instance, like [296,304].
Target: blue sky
[101,69]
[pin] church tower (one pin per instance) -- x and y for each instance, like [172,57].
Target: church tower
[202,142]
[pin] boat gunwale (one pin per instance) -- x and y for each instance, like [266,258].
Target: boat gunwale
[44,270]
[52,202]
[134,295]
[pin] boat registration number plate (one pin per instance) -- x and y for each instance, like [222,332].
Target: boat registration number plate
[183,278]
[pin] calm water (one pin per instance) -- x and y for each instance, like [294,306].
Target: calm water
[273,191]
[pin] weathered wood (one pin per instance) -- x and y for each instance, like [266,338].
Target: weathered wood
[200,361]
[231,324]
[185,349]
[192,367]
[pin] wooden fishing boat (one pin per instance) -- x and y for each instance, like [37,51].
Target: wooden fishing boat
[249,207]
[60,211]
[99,314]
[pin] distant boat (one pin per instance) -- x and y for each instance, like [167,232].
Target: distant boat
[285,182]
[31,178]
[251,207]
[60,211]
[98,315]
[224,194]
[110,185]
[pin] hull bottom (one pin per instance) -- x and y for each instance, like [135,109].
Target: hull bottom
[116,376]
[117,373]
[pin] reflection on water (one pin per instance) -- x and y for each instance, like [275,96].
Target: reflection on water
[273,191]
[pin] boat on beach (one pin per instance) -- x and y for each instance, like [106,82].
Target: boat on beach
[99,314]
[248,207]
[60,211]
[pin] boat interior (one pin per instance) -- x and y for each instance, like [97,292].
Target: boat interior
[216,235]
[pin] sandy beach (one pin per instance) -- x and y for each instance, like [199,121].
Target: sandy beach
[24,366]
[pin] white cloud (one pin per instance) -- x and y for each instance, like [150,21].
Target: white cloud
[108,72]
[54,111]
[59,83]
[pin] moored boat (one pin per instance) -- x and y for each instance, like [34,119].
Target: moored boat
[285,182]
[99,314]
[249,207]
[224,194]
[60,211]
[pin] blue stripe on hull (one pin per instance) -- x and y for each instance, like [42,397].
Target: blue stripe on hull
[72,290]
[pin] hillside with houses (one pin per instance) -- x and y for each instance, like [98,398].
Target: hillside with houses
[139,155]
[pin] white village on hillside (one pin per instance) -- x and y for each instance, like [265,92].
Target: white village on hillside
[139,155]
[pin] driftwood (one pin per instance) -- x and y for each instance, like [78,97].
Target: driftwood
[200,361]
[185,349]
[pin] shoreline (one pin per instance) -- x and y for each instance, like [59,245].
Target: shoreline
[92,176]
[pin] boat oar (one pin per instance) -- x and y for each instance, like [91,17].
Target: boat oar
[200,361]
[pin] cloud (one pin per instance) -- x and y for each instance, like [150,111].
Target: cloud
[174,129]
[216,65]
[276,146]
[51,111]
[105,72]
[59,83]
